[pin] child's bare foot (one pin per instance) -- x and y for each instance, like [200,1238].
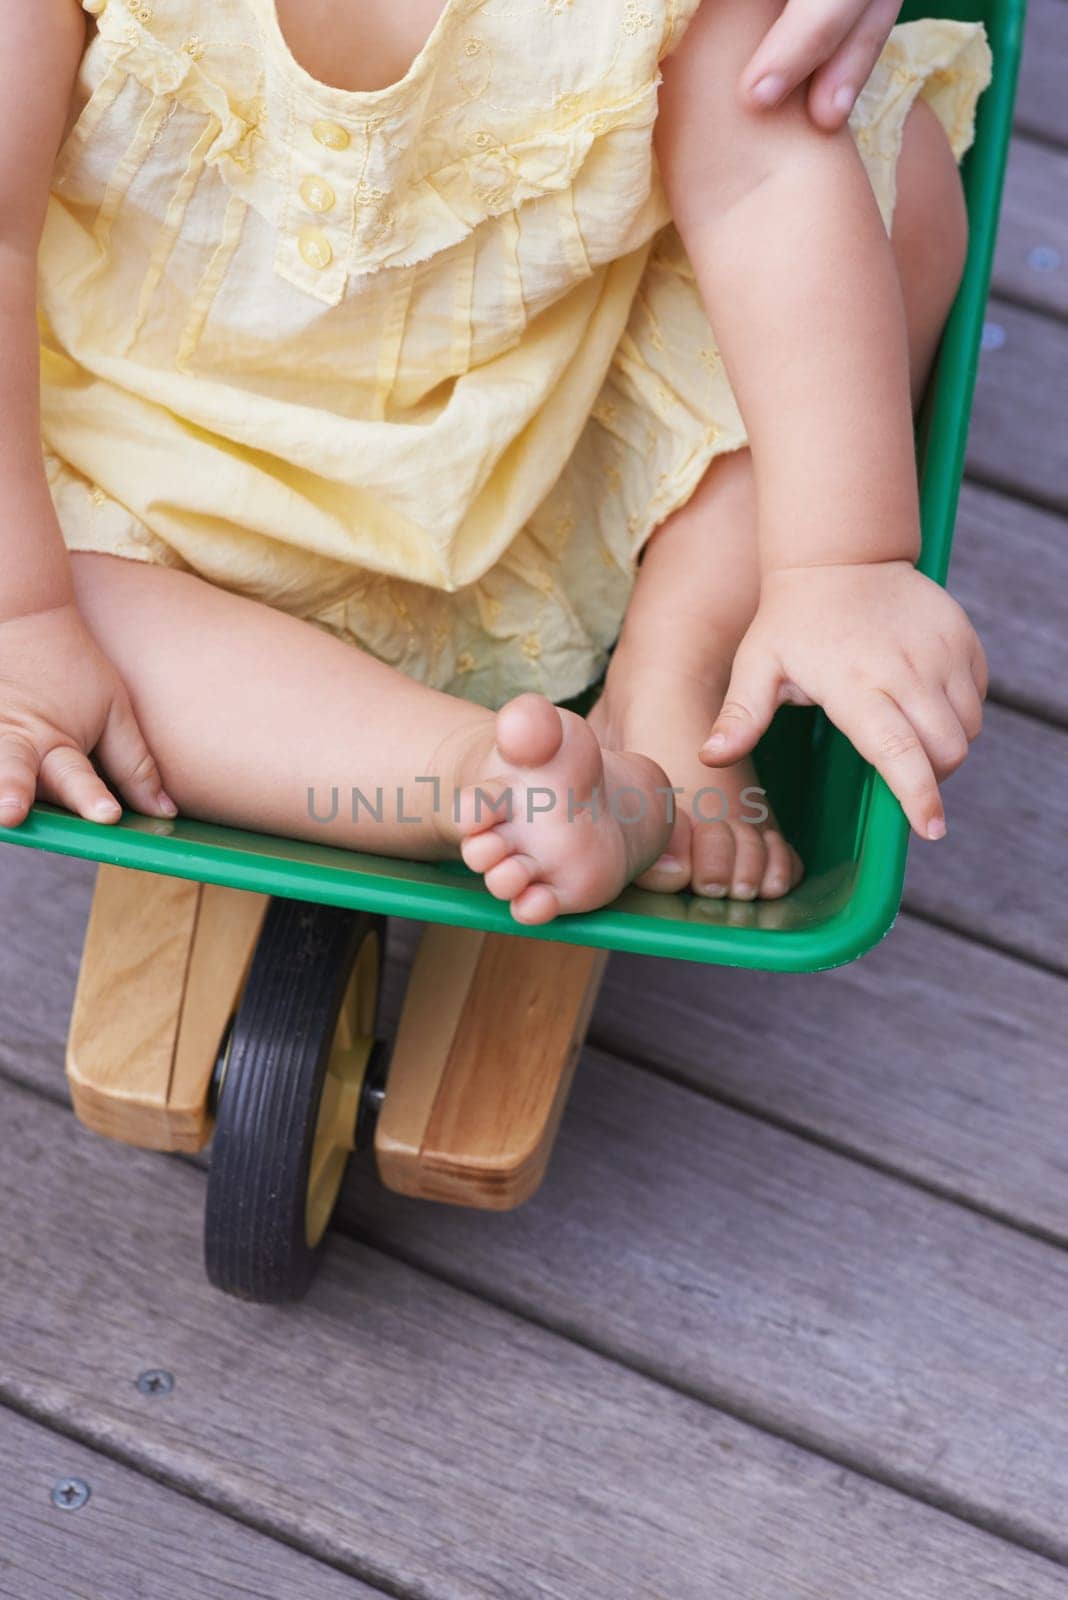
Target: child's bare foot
[554,822]
[725,840]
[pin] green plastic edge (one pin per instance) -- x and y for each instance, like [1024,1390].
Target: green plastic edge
[874,904]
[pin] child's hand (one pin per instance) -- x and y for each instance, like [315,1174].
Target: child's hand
[61,698]
[834,42]
[891,658]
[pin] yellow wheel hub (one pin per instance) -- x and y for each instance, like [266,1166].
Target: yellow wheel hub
[350,1051]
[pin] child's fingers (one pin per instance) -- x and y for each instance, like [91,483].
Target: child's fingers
[835,86]
[939,728]
[802,39]
[748,707]
[18,777]
[880,731]
[67,779]
[979,669]
[966,700]
[125,757]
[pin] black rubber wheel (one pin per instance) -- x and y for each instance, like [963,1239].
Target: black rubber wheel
[297,1087]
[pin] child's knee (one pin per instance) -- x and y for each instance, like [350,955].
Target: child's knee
[930,227]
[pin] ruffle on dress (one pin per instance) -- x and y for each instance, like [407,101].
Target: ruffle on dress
[133,45]
[946,63]
[438,187]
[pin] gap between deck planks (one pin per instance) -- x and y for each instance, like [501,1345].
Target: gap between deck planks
[134,1537]
[433,1443]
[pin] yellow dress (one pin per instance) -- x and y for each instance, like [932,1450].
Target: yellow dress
[424,365]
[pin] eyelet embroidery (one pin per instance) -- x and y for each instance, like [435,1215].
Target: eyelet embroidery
[633,18]
[373,220]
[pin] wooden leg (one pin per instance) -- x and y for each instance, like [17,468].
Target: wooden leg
[487,1045]
[162,968]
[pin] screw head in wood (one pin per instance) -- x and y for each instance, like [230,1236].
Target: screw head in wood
[70,1494]
[155,1381]
[1044,258]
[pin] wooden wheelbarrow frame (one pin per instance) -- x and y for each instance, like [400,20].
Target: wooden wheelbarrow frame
[480,1068]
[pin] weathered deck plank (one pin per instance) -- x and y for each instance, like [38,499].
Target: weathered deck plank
[1010,573]
[711,1233]
[435,1444]
[877,1324]
[1031,261]
[1018,441]
[133,1537]
[1041,105]
[999,873]
[44,904]
[931,1057]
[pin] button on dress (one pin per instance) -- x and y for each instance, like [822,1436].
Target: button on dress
[424,365]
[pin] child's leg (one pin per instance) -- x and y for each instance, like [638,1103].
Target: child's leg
[246,709]
[698,583]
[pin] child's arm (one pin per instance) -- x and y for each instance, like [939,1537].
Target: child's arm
[793,262]
[59,697]
[42,48]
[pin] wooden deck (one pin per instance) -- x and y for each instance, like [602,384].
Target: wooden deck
[788,1319]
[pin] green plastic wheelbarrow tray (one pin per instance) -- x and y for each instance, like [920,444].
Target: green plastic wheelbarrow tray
[845,822]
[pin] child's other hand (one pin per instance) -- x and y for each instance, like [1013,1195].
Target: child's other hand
[833,42]
[887,653]
[60,698]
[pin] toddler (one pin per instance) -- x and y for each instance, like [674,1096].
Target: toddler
[380,405]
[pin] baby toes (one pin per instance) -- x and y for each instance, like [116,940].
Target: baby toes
[510,877]
[535,905]
[780,874]
[482,851]
[750,861]
[713,851]
[482,806]
[670,872]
